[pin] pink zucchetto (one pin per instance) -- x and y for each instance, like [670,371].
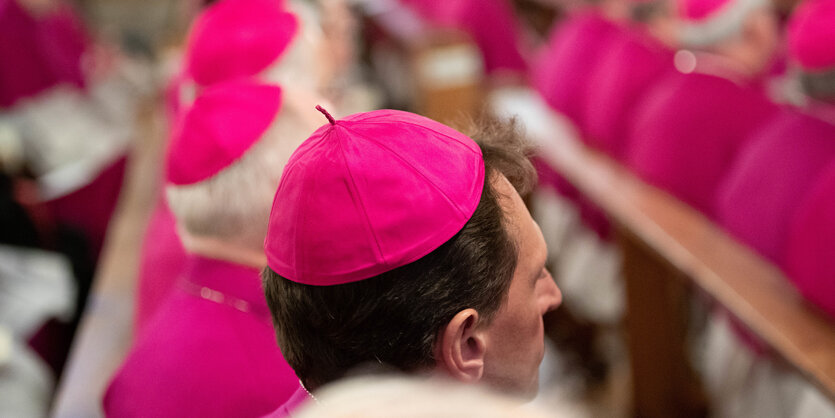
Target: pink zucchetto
[697,10]
[222,124]
[238,38]
[369,193]
[811,35]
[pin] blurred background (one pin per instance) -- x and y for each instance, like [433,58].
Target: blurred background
[686,153]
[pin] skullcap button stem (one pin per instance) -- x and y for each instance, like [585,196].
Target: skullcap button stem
[327,115]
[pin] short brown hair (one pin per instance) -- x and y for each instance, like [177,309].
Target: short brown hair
[393,318]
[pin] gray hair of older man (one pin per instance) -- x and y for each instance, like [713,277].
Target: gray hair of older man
[234,205]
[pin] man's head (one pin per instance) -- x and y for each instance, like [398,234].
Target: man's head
[226,160]
[743,31]
[470,305]
[276,42]
[811,34]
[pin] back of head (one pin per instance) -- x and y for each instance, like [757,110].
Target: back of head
[392,315]
[227,157]
[811,36]
[743,31]
[303,63]
[238,38]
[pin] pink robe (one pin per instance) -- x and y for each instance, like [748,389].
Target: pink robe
[631,64]
[38,52]
[775,170]
[491,24]
[90,208]
[209,351]
[810,257]
[162,256]
[561,72]
[161,263]
[297,400]
[687,131]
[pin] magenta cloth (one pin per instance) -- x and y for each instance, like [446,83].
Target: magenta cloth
[811,34]
[688,130]
[809,259]
[633,62]
[205,356]
[161,264]
[90,208]
[491,24]
[369,193]
[286,410]
[562,70]
[38,52]
[775,170]
[238,38]
[698,10]
[222,124]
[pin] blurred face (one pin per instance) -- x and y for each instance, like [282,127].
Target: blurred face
[765,37]
[515,343]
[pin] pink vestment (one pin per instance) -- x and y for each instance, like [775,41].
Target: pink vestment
[209,351]
[561,72]
[775,170]
[687,131]
[38,52]
[630,65]
[810,258]
[161,262]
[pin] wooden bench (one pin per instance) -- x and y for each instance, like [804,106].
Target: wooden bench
[668,248]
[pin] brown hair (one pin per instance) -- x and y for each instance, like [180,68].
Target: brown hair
[819,85]
[393,318]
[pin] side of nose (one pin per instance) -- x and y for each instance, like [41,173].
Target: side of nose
[550,296]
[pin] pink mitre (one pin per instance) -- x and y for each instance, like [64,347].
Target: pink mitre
[369,193]
[238,38]
[222,124]
[811,35]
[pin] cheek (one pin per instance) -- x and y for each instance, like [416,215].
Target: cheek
[526,327]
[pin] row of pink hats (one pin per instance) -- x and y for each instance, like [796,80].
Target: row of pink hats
[811,31]
[229,44]
[343,212]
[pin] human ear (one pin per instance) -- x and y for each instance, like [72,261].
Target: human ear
[462,346]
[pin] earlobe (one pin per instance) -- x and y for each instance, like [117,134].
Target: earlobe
[462,346]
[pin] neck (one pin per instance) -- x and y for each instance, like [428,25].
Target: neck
[721,65]
[221,250]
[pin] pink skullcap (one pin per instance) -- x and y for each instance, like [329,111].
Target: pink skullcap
[222,124]
[370,193]
[811,34]
[697,10]
[238,38]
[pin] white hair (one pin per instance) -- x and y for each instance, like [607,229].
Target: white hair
[234,204]
[380,396]
[299,65]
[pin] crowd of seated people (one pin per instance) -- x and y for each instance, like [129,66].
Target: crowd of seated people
[726,105]
[299,236]
[694,115]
